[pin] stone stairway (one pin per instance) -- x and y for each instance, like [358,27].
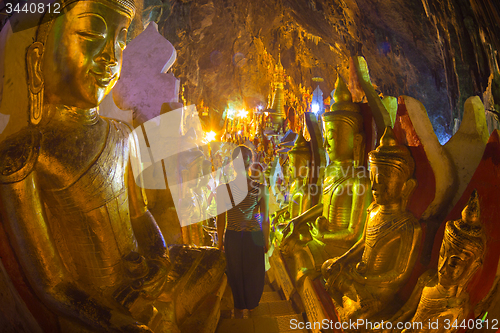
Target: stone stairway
[273,315]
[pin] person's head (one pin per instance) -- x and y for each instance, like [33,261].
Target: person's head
[344,138]
[463,247]
[391,170]
[76,57]
[242,159]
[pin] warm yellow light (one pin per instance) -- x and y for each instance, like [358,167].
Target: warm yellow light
[210,136]
[242,113]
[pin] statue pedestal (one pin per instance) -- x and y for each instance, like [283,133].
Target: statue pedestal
[318,304]
[279,271]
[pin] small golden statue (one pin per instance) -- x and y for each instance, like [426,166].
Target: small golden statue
[332,227]
[299,167]
[366,278]
[297,175]
[75,218]
[440,302]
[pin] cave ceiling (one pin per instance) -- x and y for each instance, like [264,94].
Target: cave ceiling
[439,52]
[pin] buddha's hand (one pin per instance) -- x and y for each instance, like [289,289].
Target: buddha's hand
[289,227]
[290,237]
[148,276]
[318,228]
[332,268]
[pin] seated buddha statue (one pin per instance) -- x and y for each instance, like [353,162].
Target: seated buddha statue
[440,300]
[333,226]
[74,215]
[366,278]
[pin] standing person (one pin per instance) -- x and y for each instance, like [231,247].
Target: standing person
[243,231]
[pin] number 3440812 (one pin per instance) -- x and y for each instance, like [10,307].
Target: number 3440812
[33,8]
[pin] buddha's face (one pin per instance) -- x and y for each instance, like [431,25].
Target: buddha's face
[83,54]
[339,141]
[453,265]
[387,184]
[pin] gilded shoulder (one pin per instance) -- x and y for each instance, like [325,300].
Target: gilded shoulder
[427,277]
[18,155]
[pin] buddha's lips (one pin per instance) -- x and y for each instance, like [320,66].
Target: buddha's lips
[103,79]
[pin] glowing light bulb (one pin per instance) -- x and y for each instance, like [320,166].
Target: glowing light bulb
[242,113]
[210,136]
[315,107]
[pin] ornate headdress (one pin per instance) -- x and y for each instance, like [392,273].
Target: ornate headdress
[126,6]
[301,146]
[343,108]
[391,153]
[468,232]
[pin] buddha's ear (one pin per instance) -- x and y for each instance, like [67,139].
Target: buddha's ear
[34,64]
[358,149]
[408,188]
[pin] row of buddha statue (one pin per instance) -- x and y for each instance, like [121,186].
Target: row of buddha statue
[362,241]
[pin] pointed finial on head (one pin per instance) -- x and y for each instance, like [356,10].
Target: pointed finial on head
[342,93]
[388,138]
[472,212]
[301,146]
[390,152]
[344,108]
[468,232]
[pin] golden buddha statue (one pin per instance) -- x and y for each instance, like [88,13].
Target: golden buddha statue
[366,278]
[75,218]
[297,178]
[440,301]
[299,165]
[333,226]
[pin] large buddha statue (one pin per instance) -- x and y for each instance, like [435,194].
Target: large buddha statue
[333,226]
[366,278]
[440,301]
[75,218]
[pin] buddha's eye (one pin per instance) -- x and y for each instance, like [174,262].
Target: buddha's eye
[90,26]
[455,261]
[91,34]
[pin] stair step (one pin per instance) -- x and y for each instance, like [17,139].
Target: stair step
[235,325]
[267,288]
[274,308]
[285,323]
[280,324]
[270,296]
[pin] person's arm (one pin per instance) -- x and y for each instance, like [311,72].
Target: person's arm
[221,192]
[24,218]
[264,211]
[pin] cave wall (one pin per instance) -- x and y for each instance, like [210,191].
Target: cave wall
[440,52]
